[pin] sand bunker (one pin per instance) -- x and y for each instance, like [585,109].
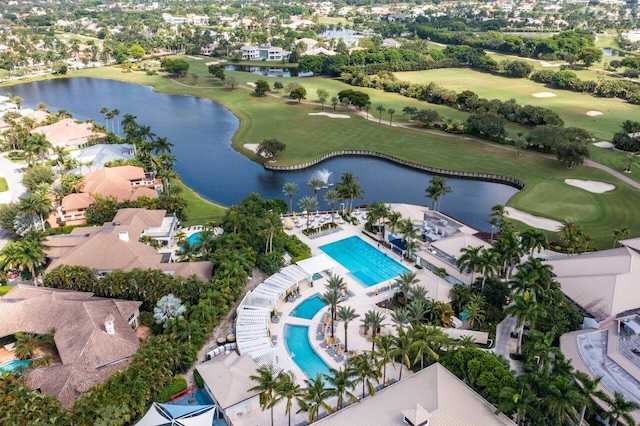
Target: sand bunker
[212,63]
[604,144]
[532,220]
[194,57]
[548,64]
[591,185]
[252,147]
[330,115]
[251,84]
[594,113]
[543,95]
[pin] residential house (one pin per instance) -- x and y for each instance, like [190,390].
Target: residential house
[264,53]
[124,183]
[69,134]
[227,380]
[94,336]
[116,246]
[96,156]
[433,396]
[73,207]
[389,42]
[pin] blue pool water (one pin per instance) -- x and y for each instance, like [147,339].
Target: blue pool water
[14,365]
[296,338]
[201,398]
[316,276]
[364,262]
[194,238]
[309,308]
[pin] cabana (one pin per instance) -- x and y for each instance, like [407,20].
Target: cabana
[178,415]
[316,264]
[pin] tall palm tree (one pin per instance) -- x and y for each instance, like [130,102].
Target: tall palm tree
[406,281]
[488,264]
[620,409]
[588,389]
[342,384]
[273,225]
[475,309]
[436,189]
[314,397]
[35,205]
[335,283]
[468,262]
[393,221]
[561,398]
[400,317]
[366,372]
[391,111]
[332,196]
[569,232]
[619,234]
[346,314]
[373,319]
[377,213]
[290,189]
[26,253]
[525,309]
[430,341]
[532,240]
[316,184]
[417,310]
[308,204]
[520,402]
[331,298]
[402,349]
[267,383]
[380,109]
[287,389]
[384,354]
[509,250]
[26,345]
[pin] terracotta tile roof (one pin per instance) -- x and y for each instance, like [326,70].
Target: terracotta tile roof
[81,339]
[67,133]
[77,201]
[117,182]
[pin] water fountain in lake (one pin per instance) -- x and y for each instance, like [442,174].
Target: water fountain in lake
[324,176]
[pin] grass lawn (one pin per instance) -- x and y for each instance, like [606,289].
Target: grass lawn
[4,186]
[571,106]
[307,137]
[199,210]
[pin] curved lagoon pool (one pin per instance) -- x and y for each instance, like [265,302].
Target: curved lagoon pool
[296,338]
[14,365]
[309,307]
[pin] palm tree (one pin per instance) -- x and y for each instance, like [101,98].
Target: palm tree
[376,213]
[317,184]
[346,314]
[468,262]
[533,239]
[393,221]
[342,384]
[308,204]
[380,109]
[428,340]
[619,234]
[509,251]
[519,402]
[26,253]
[35,205]
[416,310]
[620,409]
[475,309]
[384,354]
[406,280]
[267,383]
[561,399]
[400,318]
[273,225]
[287,389]
[331,298]
[569,232]
[391,111]
[26,345]
[373,319]
[161,146]
[401,349]
[332,196]
[365,371]
[313,397]
[525,309]
[631,157]
[290,189]
[436,189]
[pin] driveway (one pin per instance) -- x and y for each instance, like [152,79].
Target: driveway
[504,340]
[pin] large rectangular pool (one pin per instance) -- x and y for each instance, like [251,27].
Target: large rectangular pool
[365,263]
[296,338]
[308,308]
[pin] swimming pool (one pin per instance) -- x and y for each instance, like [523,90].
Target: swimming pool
[16,364]
[296,338]
[309,308]
[194,238]
[368,265]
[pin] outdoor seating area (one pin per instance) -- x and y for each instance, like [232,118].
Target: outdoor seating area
[383,287]
[224,349]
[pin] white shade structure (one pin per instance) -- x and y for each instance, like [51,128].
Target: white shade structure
[178,415]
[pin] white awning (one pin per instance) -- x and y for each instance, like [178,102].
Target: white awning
[315,264]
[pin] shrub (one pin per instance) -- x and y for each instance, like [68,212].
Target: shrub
[178,385]
[5,289]
[198,378]
[296,248]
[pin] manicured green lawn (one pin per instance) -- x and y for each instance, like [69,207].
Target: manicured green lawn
[310,136]
[571,106]
[199,210]
[4,186]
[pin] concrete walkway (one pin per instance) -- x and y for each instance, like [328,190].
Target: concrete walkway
[504,342]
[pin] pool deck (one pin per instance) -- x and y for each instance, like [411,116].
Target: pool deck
[361,302]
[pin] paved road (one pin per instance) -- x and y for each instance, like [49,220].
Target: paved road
[503,342]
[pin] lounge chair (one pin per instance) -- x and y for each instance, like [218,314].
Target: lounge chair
[339,358]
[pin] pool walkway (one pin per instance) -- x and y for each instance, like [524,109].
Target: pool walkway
[362,300]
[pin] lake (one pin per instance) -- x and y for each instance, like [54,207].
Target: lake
[269,71]
[201,131]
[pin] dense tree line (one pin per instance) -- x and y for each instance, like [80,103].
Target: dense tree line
[628,139]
